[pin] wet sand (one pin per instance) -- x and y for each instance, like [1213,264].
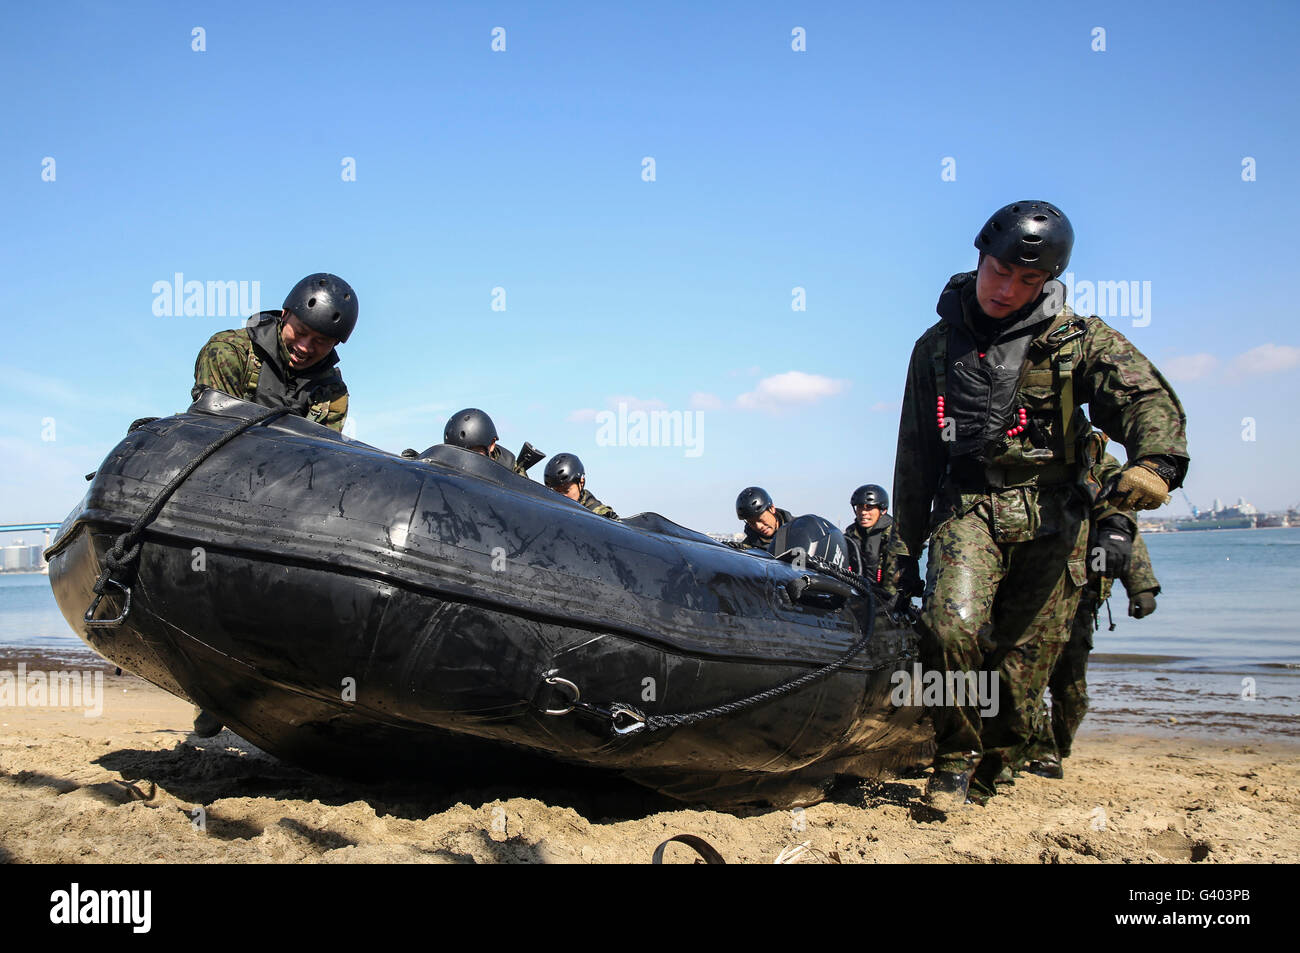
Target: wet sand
[133,785]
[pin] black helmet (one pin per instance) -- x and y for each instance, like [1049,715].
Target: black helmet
[469,428]
[1032,234]
[816,537]
[870,495]
[326,304]
[563,469]
[752,501]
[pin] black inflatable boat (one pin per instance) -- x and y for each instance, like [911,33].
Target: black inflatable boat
[351,611]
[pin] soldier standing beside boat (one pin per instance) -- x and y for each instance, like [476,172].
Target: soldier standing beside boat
[989,470]
[1069,680]
[287,359]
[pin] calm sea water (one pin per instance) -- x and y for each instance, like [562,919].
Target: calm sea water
[1228,605]
[29,616]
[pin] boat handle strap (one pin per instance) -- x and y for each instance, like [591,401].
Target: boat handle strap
[121,556]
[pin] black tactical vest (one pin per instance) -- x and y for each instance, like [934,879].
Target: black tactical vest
[1023,369]
[869,542]
[279,385]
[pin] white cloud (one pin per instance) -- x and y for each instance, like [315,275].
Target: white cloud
[1265,359]
[582,415]
[704,401]
[1189,367]
[790,389]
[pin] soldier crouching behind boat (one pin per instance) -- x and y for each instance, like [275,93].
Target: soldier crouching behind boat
[761,517]
[566,475]
[287,359]
[869,531]
[472,429]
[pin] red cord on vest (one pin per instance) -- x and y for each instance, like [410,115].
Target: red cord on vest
[1023,422]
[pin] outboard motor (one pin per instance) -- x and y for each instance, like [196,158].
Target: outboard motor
[814,536]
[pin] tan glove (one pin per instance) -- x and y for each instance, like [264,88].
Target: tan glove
[1140,487]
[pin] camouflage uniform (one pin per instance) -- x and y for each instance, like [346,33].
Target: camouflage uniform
[755,540]
[1007,515]
[251,363]
[1069,680]
[504,457]
[597,507]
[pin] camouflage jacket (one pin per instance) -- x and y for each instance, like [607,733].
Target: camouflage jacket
[507,459]
[232,363]
[1033,482]
[597,507]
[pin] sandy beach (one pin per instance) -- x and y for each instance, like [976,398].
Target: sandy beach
[133,785]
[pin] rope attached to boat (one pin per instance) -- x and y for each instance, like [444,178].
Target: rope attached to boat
[121,556]
[626,719]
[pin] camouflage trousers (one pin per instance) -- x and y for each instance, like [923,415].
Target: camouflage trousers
[1069,687]
[1004,609]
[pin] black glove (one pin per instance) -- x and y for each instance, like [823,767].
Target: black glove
[1113,543]
[908,577]
[1142,604]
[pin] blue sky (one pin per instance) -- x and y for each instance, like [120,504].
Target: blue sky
[775,169]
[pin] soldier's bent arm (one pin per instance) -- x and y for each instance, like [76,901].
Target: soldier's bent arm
[336,414]
[220,365]
[920,460]
[1130,400]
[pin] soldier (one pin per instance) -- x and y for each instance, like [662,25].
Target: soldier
[870,529]
[472,429]
[287,359]
[991,469]
[284,359]
[566,475]
[1069,679]
[761,517]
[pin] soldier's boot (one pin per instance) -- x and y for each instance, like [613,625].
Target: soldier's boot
[992,771]
[980,791]
[206,724]
[1045,767]
[947,790]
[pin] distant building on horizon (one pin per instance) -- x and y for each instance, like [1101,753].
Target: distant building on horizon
[17,557]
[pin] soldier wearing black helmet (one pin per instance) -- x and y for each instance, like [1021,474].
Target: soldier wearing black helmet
[286,358]
[473,430]
[992,471]
[870,529]
[761,517]
[566,475]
